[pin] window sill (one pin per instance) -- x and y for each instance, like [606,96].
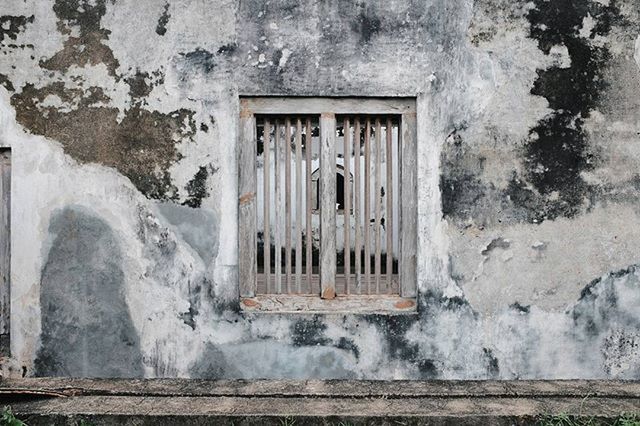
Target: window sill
[309,304]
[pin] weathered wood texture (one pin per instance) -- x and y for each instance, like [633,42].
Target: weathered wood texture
[287,202]
[299,206]
[346,128]
[356,211]
[389,198]
[5,251]
[266,203]
[278,208]
[378,204]
[327,205]
[247,223]
[312,105]
[309,304]
[367,206]
[309,234]
[408,202]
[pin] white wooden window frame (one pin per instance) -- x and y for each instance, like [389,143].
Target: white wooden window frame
[327,109]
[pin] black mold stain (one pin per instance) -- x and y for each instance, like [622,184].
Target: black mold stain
[309,332]
[532,204]
[161,28]
[138,86]
[520,308]
[197,188]
[11,26]
[201,59]
[6,83]
[227,49]
[460,193]
[597,307]
[588,291]
[557,151]
[616,346]
[85,14]
[367,24]
[496,243]
[213,364]
[493,366]
[87,330]
[433,299]
[141,84]
[460,185]
[348,345]
[189,317]
[204,127]
[195,299]
[394,329]
[88,46]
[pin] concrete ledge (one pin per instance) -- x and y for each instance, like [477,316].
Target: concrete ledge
[172,401]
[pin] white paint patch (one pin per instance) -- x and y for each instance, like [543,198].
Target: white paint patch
[636,54]
[588,24]
[549,276]
[560,55]
[284,58]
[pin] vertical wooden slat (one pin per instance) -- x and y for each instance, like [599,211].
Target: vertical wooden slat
[389,207]
[408,185]
[347,203]
[247,247]
[367,208]
[5,252]
[356,211]
[277,151]
[309,245]
[266,200]
[299,206]
[287,204]
[378,204]
[327,205]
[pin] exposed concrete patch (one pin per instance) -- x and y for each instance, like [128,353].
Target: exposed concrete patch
[536,273]
[267,359]
[87,330]
[141,146]
[198,227]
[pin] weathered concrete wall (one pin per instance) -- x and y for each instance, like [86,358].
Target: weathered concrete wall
[121,116]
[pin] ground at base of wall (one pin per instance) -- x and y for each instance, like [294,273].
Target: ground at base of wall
[267,402]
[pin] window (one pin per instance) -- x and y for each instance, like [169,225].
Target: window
[327,203]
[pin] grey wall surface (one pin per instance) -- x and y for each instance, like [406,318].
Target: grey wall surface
[122,120]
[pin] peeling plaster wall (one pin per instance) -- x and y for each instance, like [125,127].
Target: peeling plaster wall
[121,116]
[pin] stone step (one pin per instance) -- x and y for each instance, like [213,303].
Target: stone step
[195,402]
